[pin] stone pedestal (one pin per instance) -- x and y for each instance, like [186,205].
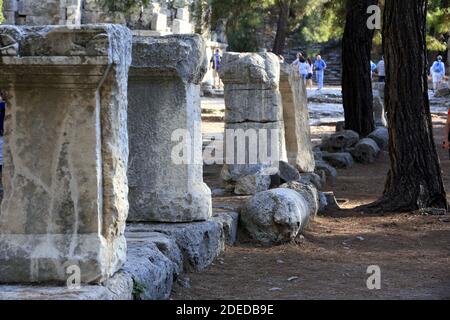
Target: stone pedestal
[253,106]
[66,150]
[296,119]
[159,22]
[164,102]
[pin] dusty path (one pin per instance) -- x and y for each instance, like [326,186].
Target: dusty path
[331,261]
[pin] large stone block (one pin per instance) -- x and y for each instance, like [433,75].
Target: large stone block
[164,96]
[66,151]
[296,119]
[254,114]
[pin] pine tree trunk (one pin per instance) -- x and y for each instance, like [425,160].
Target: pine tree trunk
[414,180]
[280,38]
[356,80]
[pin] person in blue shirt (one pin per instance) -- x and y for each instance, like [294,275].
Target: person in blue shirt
[437,71]
[320,66]
[216,63]
[373,67]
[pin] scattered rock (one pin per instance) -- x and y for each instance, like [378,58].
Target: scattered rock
[340,126]
[329,170]
[366,151]
[431,212]
[307,191]
[218,192]
[381,137]
[287,172]
[340,141]
[443,92]
[229,222]
[252,184]
[276,216]
[313,178]
[331,200]
[341,160]
[200,242]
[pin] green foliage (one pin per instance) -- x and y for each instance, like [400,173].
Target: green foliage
[1,11]
[138,290]
[438,26]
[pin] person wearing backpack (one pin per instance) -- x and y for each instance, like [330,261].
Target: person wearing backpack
[437,72]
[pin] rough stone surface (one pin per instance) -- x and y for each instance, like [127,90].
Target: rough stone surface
[341,160]
[239,162]
[252,184]
[200,242]
[340,126]
[309,192]
[276,216]
[253,113]
[164,96]
[378,110]
[340,141]
[65,184]
[366,151]
[381,137]
[329,170]
[154,261]
[287,172]
[229,222]
[314,179]
[331,200]
[296,119]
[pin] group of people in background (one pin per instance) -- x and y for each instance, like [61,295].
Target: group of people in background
[307,68]
[378,69]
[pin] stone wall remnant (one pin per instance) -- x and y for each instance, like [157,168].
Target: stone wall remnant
[66,151]
[296,119]
[254,108]
[164,97]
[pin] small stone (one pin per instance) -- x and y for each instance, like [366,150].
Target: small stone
[342,160]
[292,279]
[252,184]
[366,151]
[275,289]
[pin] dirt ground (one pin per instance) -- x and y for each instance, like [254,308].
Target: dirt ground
[330,261]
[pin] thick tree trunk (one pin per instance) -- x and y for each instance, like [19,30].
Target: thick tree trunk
[280,38]
[414,181]
[356,81]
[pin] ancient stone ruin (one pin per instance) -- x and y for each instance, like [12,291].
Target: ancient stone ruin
[253,118]
[65,184]
[164,100]
[296,120]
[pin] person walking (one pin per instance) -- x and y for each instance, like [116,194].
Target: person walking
[309,77]
[381,71]
[373,67]
[437,71]
[297,61]
[216,61]
[320,67]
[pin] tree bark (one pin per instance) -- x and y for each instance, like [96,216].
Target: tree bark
[356,80]
[414,180]
[282,26]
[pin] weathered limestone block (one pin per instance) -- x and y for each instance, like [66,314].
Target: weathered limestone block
[229,222]
[66,151]
[253,115]
[366,151]
[296,119]
[276,216]
[183,14]
[200,242]
[252,184]
[159,22]
[164,96]
[340,141]
[342,160]
[181,26]
[381,137]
